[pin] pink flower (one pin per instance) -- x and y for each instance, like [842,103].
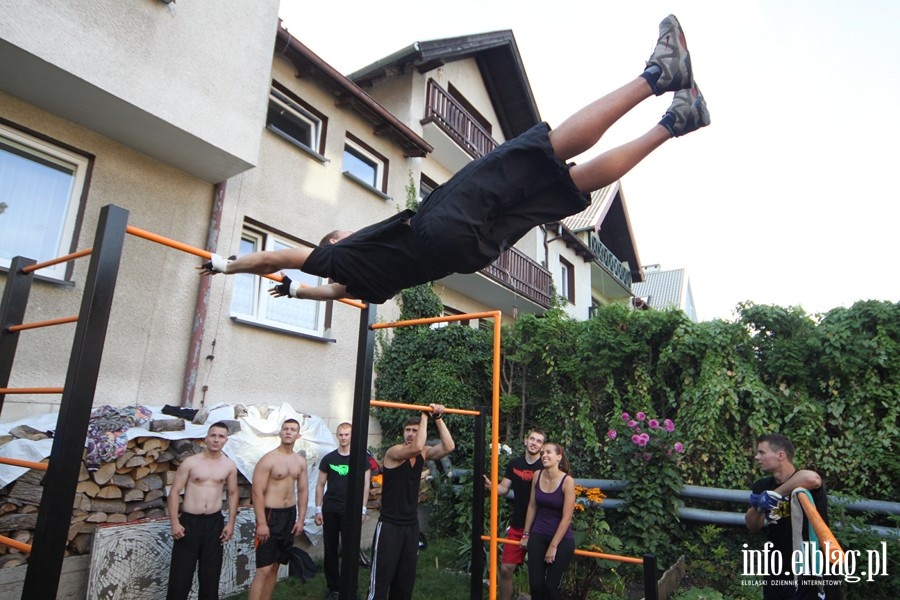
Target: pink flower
[637,430]
[625,416]
[670,426]
[641,416]
[641,439]
[611,434]
[646,456]
[654,424]
[632,423]
[646,437]
[636,439]
[679,447]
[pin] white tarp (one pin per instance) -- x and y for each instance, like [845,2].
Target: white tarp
[257,436]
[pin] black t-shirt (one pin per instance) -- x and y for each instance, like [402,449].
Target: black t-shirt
[378,261]
[781,532]
[520,473]
[337,467]
[400,492]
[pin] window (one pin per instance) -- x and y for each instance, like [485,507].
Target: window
[364,165]
[251,300]
[567,280]
[300,125]
[450,312]
[41,186]
[426,186]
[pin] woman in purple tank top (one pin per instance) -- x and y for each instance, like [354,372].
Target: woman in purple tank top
[548,525]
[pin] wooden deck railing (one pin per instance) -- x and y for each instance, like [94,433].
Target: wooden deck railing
[520,273]
[448,114]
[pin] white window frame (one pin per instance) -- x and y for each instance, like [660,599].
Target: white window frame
[365,156]
[259,312]
[280,99]
[78,164]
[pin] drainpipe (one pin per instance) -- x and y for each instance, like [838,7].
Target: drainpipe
[192,365]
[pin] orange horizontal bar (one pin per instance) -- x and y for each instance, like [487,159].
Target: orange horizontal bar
[153,237]
[36,390]
[28,464]
[56,261]
[47,323]
[579,552]
[444,319]
[15,544]
[420,408]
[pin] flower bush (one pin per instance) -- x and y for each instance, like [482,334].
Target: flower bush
[646,452]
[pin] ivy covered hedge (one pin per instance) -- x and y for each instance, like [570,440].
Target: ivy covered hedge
[830,382]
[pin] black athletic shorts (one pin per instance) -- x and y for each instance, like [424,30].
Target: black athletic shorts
[495,200]
[278,547]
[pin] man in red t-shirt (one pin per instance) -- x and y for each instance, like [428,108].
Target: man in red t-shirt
[517,478]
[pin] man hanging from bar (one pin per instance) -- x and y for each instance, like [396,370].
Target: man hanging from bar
[485,208]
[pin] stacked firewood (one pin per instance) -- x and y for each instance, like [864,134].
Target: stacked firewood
[133,487]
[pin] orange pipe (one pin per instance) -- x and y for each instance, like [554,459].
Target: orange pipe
[37,390]
[821,529]
[47,323]
[26,548]
[28,464]
[495,452]
[153,237]
[579,552]
[421,408]
[428,321]
[57,260]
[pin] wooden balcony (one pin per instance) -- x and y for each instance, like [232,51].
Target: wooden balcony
[454,120]
[521,274]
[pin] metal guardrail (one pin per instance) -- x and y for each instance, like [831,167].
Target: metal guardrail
[721,517]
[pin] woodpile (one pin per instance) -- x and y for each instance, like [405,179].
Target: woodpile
[133,487]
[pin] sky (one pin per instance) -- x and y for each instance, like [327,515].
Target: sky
[788,198]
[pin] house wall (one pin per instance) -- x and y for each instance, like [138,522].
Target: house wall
[201,64]
[154,301]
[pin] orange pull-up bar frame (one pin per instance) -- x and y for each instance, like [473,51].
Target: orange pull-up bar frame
[444,319]
[497,316]
[836,553]
[154,237]
[57,260]
[421,408]
[34,390]
[21,546]
[47,323]
[27,464]
[578,552]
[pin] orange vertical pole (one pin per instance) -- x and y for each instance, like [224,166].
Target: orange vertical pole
[495,455]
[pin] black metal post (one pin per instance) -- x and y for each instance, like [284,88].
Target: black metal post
[651,587]
[12,311]
[365,359]
[477,584]
[55,512]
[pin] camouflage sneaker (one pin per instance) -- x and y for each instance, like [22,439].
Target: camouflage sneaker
[669,67]
[687,112]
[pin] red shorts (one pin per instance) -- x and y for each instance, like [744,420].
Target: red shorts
[513,554]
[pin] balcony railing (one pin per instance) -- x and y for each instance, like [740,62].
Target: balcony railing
[448,114]
[518,272]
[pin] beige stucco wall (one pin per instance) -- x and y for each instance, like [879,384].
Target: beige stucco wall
[151,317]
[296,194]
[199,67]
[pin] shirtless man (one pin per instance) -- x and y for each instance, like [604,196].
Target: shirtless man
[280,495]
[200,531]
